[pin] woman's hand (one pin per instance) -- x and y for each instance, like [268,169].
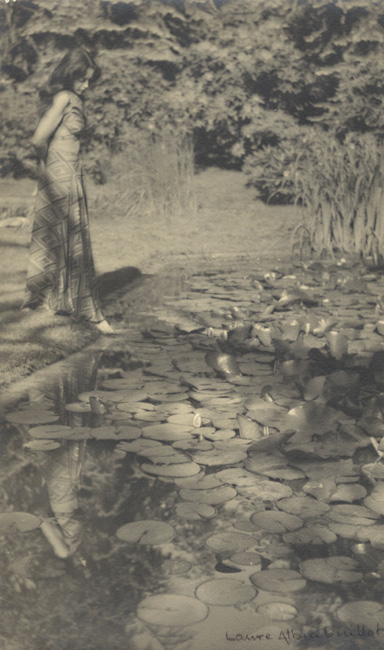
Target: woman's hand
[49,123]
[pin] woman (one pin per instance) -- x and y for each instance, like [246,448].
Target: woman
[61,275]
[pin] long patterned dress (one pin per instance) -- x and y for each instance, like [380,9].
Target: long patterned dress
[61,273]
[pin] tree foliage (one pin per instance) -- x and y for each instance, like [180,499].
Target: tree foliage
[243,75]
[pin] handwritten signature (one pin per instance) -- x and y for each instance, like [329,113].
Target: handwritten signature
[290,634]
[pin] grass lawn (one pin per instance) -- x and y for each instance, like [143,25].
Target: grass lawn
[227,221]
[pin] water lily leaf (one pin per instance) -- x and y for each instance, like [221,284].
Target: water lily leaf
[331,570]
[246,558]
[51,431]
[316,534]
[271,416]
[374,471]
[199,482]
[167,431]
[173,470]
[195,510]
[314,388]
[105,433]
[278,611]
[265,490]
[330,445]
[361,612]
[225,591]
[32,415]
[172,610]
[22,521]
[187,419]
[275,521]
[248,428]
[321,490]
[127,432]
[213,496]
[278,580]
[193,444]
[227,541]
[306,507]
[347,531]
[349,493]
[313,418]
[127,384]
[42,445]
[352,514]
[375,500]
[271,441]
[220,457]
[137,446]
[372,534]
[236,476]
[148,531]
[166,459]
[219,434]
[277,468]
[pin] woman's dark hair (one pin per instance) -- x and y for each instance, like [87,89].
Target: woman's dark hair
[72,67]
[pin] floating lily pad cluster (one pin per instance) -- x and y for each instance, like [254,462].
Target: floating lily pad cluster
[262,394]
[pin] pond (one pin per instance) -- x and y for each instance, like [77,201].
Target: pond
[210,478]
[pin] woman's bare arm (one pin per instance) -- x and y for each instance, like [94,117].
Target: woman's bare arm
[49,123]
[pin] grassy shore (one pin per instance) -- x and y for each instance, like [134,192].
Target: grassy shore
[226,221]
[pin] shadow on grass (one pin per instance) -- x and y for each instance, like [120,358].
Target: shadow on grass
[116,280]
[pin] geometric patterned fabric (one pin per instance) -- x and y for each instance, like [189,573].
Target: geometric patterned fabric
[61,273]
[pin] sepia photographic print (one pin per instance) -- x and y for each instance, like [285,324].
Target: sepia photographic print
[191,324]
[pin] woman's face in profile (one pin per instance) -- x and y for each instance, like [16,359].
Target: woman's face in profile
[81,85]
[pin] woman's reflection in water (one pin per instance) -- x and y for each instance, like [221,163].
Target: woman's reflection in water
[62,468]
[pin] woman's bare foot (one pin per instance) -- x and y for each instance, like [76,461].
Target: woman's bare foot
[104,327]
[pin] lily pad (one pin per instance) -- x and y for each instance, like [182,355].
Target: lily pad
[316,534]
[278,611]
[365,612]
[148,531]
[167,432]
[331,570]
[225,591]
[372,534]
[313,418]
[275,521]
[278,580]
[220,457]
[172,610]
[51,431]
[246,558]
[173,470]
[214,496]
[265,490]
[352,514]
[237,476]
[195,510]
[199,482]
[22,521]
[227,541]
[375,500]
[306,507]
